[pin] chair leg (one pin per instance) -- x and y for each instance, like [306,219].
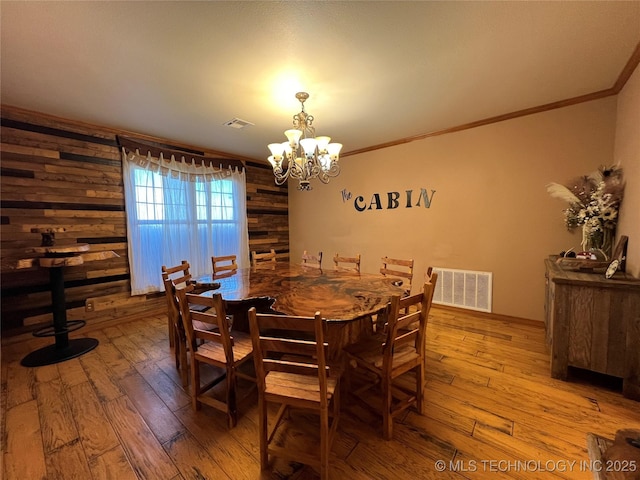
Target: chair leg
[337,401]
[324,444]
[195,382]
[262,420]
[420,386]
[176,351]
[232,411]
[181,349]
[387,419]
[381,321]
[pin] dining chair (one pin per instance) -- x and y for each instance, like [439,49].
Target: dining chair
[177,335]
[381,320]
[221,347]
[224,265]
[398,268]
[385,358]
[309,260]
[180,276]
[261,258]
[290,356]
[353,262]
[172,278]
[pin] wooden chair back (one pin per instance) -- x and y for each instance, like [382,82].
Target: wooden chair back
[276,335]
[172,279]
[407,326]
[179,275]
[214,315]
[224,266]
[262,258]
[400,350]
[177,337]
[353,263]
[218,346]
[313,261]
[395,267]
[290,357]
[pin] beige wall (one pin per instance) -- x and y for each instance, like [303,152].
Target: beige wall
[627,153]
[490,211]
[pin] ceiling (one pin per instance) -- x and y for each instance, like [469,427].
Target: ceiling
[376,71]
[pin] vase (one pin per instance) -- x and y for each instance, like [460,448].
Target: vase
[598,241]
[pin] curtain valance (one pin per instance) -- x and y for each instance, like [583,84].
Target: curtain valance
[183,164]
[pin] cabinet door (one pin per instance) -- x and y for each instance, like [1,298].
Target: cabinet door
[597,330]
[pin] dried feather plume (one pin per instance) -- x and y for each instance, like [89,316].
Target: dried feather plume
[594,199]
[557,190]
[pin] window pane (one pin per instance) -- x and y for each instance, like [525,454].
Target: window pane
[149,199]
[222,200]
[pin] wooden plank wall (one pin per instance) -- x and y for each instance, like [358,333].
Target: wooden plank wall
[63,173]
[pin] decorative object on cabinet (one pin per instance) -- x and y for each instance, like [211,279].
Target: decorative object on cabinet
[619,257]
[611,269]
[594,201]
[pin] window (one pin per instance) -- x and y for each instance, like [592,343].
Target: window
[174,214]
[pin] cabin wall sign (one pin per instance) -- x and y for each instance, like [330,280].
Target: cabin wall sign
[391,200]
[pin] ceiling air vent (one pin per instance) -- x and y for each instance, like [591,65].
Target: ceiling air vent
[237,123]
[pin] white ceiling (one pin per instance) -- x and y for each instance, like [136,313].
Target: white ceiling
[376,71]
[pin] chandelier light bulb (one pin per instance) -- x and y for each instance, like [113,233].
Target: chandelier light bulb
[293,136]
[276,150]
[334,150]
[322,143]
[309,147]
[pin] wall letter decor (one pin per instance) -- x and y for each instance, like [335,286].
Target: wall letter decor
[393,200]
[375,199]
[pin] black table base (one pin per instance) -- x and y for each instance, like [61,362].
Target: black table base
[52,354]
[63,348]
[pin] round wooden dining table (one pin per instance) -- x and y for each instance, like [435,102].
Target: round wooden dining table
[346,299]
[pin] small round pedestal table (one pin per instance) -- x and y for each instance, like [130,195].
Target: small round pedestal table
[55,259]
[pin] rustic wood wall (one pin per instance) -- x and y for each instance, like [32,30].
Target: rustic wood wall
[63,173]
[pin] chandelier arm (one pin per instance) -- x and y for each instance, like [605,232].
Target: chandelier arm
[334,169]
[295,170]
[323,177]
[280,177]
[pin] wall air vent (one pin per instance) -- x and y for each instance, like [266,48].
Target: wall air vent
[463,289]
[237,123]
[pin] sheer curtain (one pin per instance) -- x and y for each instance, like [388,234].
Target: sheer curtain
[179,211]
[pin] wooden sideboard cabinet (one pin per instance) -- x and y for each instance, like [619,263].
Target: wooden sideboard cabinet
[594,323]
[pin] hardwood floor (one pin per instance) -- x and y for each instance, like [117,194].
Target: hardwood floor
[119,412]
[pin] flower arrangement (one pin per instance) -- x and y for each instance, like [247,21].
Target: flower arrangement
[594,201]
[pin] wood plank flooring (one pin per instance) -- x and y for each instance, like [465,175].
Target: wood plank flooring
[119,412]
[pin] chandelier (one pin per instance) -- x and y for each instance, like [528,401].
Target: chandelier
[307,157]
